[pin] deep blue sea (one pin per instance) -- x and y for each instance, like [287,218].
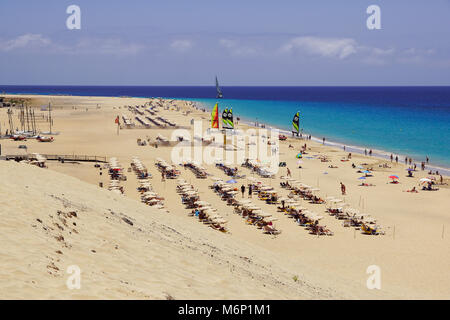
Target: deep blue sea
[412,121]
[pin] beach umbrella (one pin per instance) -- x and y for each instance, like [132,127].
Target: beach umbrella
[424,180]
[202,203]
[393,177]
[262,214]
[366,171]
[299,155]
[219,220]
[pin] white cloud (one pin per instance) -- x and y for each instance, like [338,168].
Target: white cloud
[227,43]
[181,45]
[235,49]
[376,56]
[109,46]
[416,56]
[28,40]
[339,48]
[382,52]
[112,46]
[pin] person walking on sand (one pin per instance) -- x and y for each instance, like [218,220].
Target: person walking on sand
[323,140]
[243,190]
[250,190]
[392,157]
[342,188]
[288,172]
[163,178]
[370,152]
[365,152]
[396,159]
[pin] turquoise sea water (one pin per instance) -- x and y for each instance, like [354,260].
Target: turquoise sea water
[394,130]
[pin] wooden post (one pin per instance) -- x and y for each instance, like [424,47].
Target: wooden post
[34,119]
[28,123]
[50,117]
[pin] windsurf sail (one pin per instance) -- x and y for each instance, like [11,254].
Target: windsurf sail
[227,119]
[215,117]
[230,118]
[296,123]
[225,123]
[219,92]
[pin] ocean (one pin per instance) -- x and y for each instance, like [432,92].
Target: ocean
[405,121]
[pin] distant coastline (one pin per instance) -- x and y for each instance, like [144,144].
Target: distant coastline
[407,102]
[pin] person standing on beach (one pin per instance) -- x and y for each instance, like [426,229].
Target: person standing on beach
[288,172]
[370,152]
[323,140]
[365,152]
[242,190]
[406,160]
[396,159]
[342,188]
[392,157]
[249,190]
[163,178]
[428,159]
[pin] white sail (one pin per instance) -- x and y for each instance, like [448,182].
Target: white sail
[219,92]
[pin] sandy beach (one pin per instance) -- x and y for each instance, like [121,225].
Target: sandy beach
[165,253]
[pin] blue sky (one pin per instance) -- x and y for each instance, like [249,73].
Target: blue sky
[244,42]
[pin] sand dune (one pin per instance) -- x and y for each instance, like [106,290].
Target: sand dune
[124,249]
